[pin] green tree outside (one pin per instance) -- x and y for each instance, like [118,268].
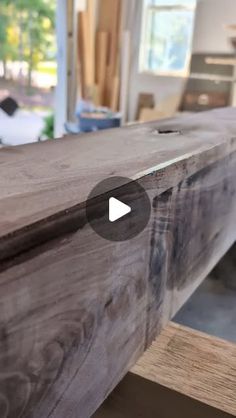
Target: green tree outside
[27,32]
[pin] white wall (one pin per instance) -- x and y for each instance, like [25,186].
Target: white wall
[209,36]
[66,89]
[211,17]
[60,104]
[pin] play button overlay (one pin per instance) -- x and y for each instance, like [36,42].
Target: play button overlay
[118,208]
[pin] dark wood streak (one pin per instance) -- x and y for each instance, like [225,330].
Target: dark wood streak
[201,207]
[158,262]
[188,216]
[18,245]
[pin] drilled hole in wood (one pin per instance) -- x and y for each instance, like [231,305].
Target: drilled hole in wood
[168,132]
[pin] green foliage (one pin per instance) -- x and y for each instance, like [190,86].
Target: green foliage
[27,31]
[8,49]
[48,129]
[37,25]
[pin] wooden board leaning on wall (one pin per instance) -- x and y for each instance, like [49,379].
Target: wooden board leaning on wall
[99,52]
[78,311]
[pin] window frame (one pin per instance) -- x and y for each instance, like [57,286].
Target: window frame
[141,62]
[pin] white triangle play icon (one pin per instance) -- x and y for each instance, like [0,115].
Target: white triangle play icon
[117,209]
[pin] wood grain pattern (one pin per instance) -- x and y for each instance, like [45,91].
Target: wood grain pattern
[33,188]
[193,363]
[184,373]
[76,311]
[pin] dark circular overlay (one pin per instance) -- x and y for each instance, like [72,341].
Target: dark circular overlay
[127,191]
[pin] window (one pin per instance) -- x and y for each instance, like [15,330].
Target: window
[167,36]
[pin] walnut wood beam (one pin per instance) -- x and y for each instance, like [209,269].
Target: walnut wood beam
[184,373]
[78,311]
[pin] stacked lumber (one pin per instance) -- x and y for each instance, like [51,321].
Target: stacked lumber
[86,48]
[99,57]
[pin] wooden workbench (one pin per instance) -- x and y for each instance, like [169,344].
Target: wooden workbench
[77,311]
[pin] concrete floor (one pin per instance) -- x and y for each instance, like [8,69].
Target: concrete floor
[211,309]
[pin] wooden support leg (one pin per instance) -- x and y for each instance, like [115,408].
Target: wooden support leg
[184,374]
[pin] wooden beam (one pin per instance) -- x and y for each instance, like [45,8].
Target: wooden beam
[101,63]
[185,373]
[78,311]
[194,364]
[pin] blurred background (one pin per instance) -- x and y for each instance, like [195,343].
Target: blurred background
[28,68]
[71,66]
